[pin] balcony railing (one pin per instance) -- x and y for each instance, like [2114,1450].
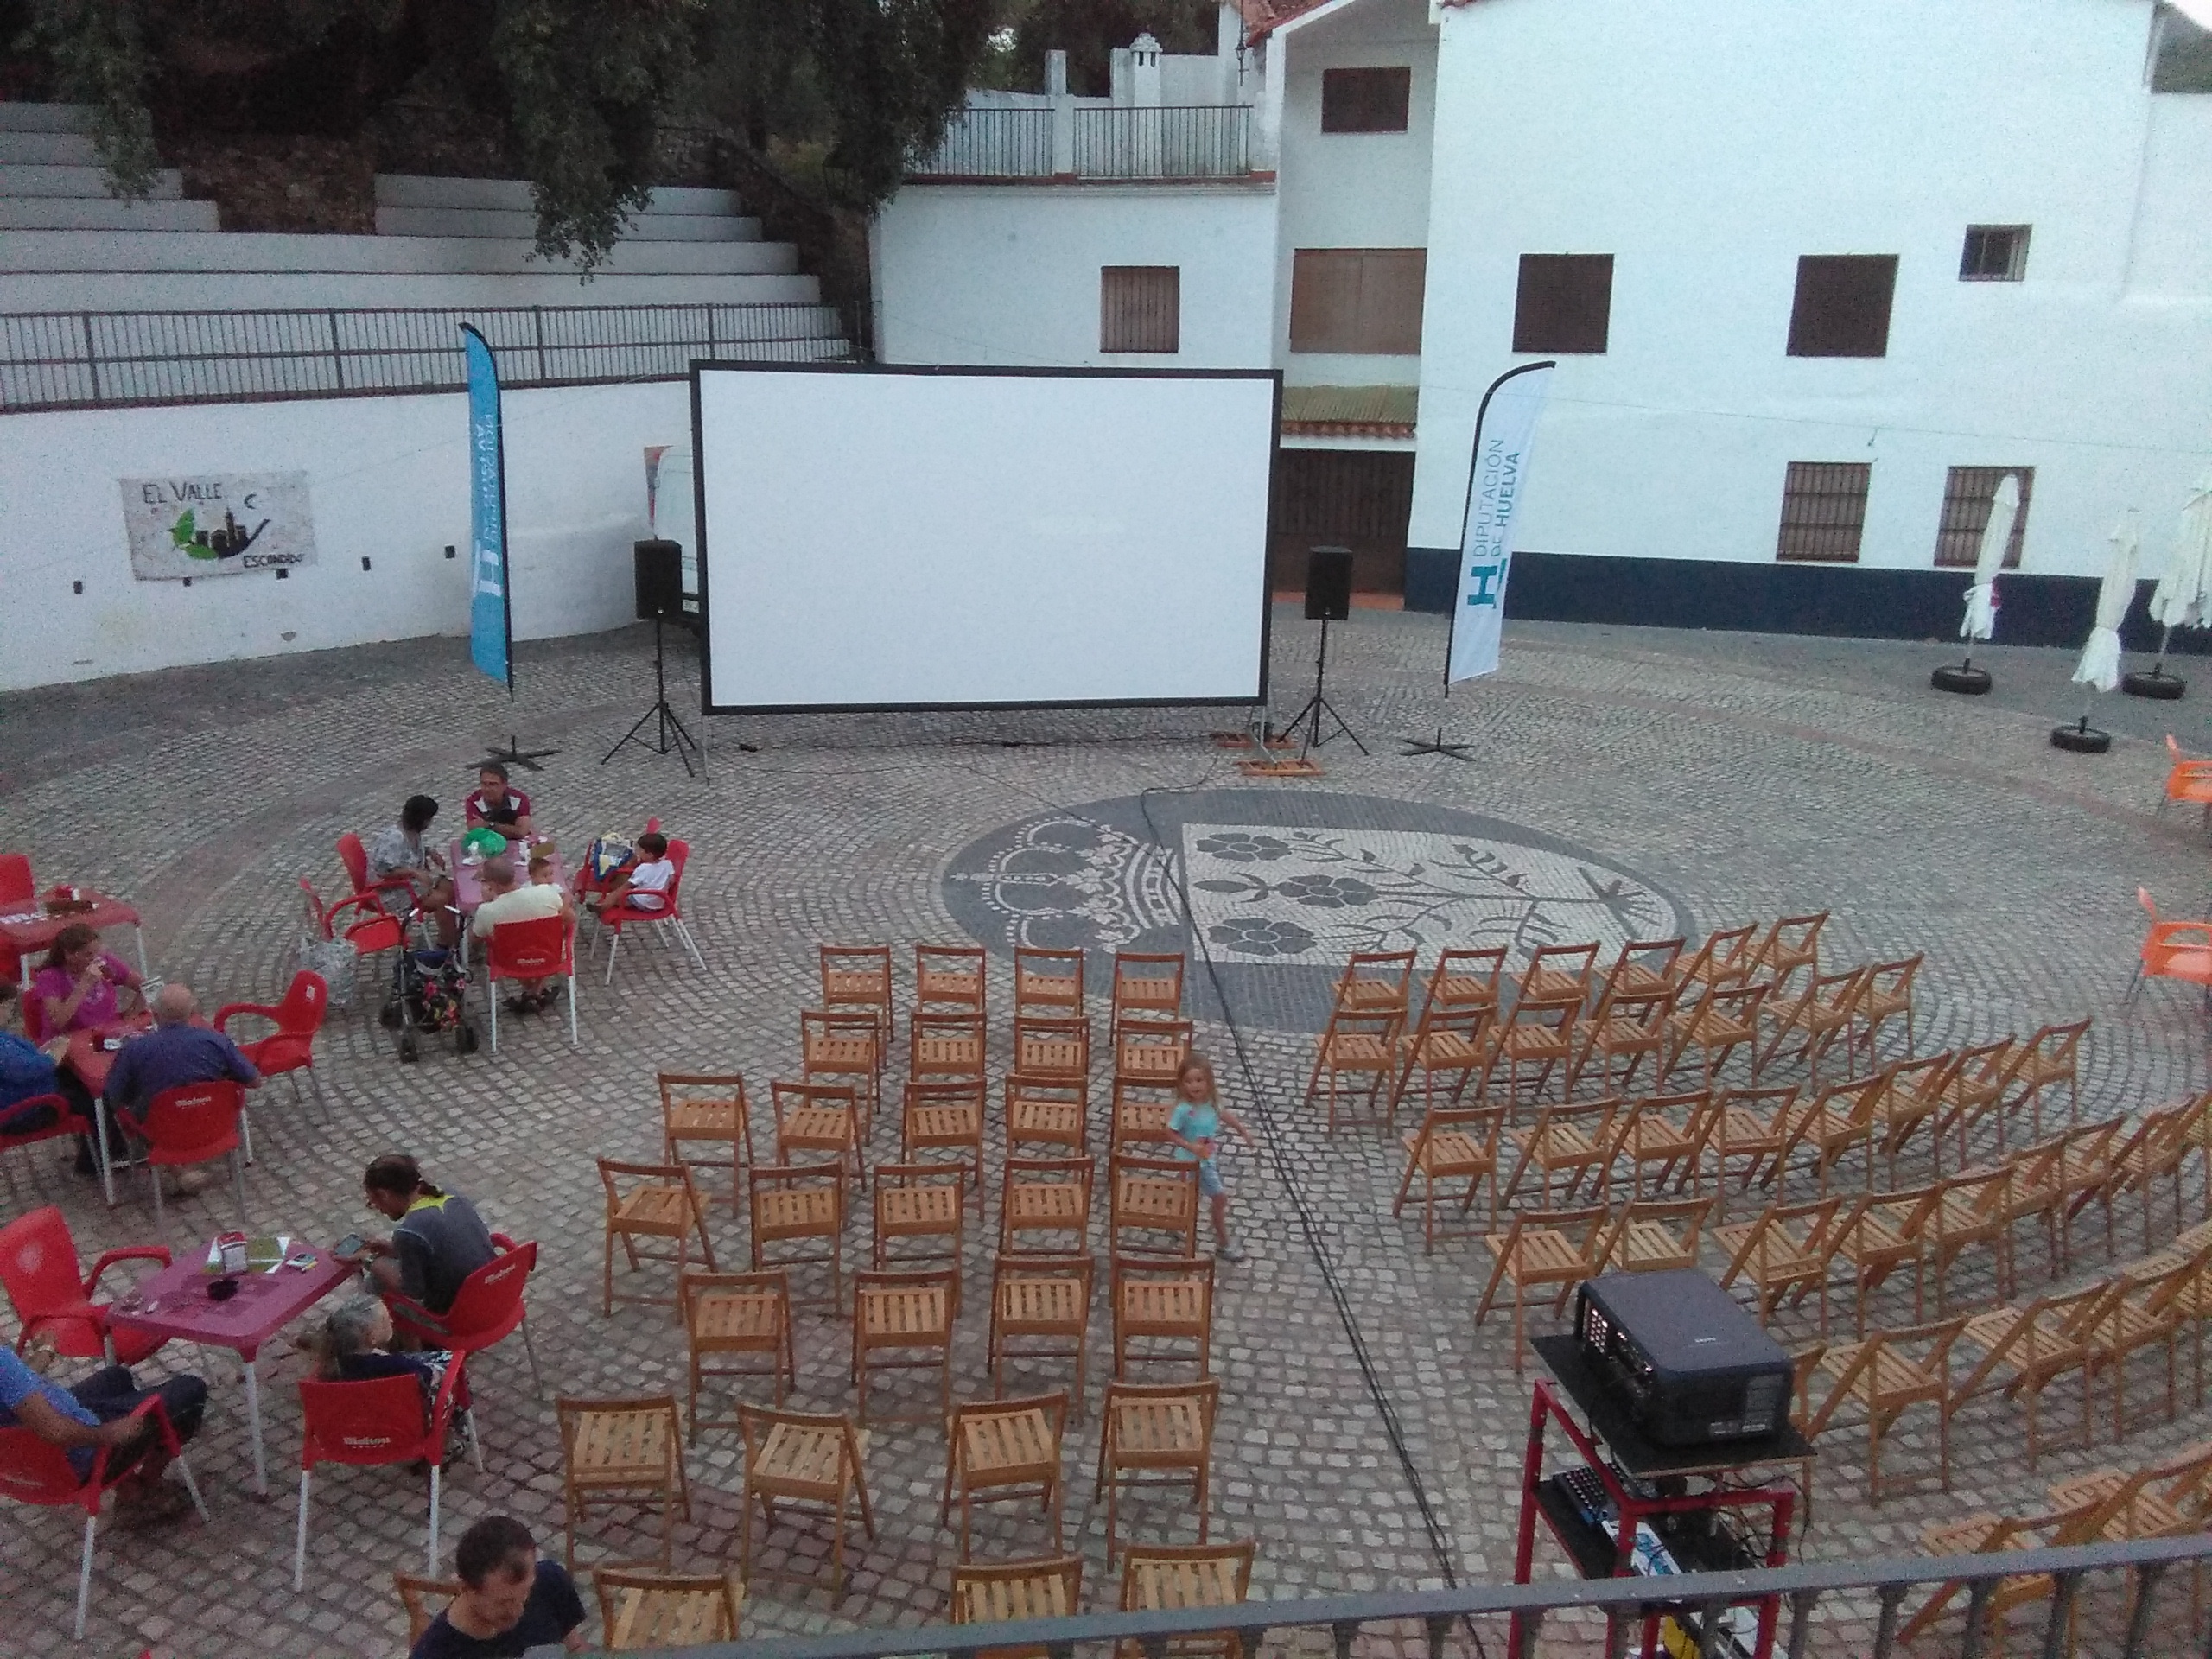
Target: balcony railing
[995,144]
[1197,141]
[99,359]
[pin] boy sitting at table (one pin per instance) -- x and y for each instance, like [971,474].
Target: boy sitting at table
[644,885]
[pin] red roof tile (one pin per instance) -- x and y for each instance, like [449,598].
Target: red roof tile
[1261,15]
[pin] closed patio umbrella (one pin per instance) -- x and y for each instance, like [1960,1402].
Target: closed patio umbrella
[1980,619]
[2100,666]
[2184,597]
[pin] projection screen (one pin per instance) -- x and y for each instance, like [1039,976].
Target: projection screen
[884,537]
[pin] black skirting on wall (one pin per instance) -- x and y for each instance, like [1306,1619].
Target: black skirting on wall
[1844,601]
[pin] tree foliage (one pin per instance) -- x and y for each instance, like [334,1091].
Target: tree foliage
[1088,30]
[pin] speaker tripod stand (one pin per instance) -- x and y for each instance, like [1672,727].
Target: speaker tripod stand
[672,732]
[1319,705]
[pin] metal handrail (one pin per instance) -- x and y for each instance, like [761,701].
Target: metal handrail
[1801,1585]
[1167,141]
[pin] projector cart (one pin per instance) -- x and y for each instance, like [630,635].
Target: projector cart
[1607,1458]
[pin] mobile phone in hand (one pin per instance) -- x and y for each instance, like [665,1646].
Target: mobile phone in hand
[349,1245]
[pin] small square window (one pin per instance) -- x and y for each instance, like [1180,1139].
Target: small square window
[1140,308]
[1823,511]
[1994,253]
[1842,307]
[1365,100]
[1565,302]
[1357,300]
[1969,493]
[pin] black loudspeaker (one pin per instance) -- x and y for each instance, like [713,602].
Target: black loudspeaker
[660,580]
[1328,585]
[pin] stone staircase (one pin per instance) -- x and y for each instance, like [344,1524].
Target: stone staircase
[50,179]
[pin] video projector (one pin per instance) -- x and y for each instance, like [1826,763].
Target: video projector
[1690,1366]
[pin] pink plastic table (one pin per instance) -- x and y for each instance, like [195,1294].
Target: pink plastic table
[174,1303]
[30,928]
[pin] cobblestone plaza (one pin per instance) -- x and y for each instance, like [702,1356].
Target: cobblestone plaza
[1623,785]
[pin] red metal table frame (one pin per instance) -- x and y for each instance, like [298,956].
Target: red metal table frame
[1780,1501]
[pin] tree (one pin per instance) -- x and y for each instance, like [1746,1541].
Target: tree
[1088,30]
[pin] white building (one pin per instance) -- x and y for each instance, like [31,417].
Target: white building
[1816,275]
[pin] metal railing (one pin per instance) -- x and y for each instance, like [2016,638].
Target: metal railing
[993,144]
[104,359]
[1194,141]
[1624,1601]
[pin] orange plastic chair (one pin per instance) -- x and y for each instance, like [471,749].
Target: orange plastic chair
[2187,781]
[2179,950]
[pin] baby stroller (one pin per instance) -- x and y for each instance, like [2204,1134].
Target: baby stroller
[429,990]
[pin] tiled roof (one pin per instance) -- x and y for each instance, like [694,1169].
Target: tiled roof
[1350,412]
[1261,15]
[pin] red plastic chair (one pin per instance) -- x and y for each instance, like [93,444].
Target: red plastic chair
[17,889]
[355,857]
[369,1424]
[615,917]
[289,1050]
[543,948]
[2179,950]
[32,1472]
[66,1121]
[196,1123]
[486,1309]
[39,1267]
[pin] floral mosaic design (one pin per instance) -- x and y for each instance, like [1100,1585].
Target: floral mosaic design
[1064,883]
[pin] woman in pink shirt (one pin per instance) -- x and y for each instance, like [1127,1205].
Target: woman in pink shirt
[80,987]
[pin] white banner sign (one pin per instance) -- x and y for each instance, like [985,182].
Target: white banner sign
[217,523]
[1495,485]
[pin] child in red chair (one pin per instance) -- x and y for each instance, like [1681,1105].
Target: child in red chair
[644,885]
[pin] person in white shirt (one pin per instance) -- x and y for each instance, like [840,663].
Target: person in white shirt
[644,885]
[504,901]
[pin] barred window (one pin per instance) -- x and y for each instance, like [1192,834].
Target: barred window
[1994,253]
[1140,308]
[1365,100]
[1564,303]
[1842,307]
[1823,511]
[1969,493]
[1357,300]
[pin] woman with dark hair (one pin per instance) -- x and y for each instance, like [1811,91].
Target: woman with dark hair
[439,1241]
[398,850]
[81,986]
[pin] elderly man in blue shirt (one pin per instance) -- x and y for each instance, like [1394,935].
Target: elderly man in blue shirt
[174,1054]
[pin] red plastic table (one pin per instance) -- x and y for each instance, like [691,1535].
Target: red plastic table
[29,930]
[174,1303]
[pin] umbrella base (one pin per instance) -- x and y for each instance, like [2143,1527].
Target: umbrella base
[2166,687]
[1967,681]
[2079,739]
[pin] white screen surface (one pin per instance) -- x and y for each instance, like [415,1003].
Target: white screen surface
[951,538]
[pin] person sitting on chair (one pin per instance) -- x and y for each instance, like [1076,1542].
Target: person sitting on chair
[439,1242]
[95,1413]
[510,1601]
[82,987]
[504,901]
[399,851]
[355,1345]
[174,1054]
[496,807]
[644,885]
[27,1070]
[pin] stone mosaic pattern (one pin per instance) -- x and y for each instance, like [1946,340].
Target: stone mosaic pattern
[1727,778]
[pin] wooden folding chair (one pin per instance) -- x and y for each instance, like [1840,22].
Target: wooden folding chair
[2039,1192]
[2052,1056]
[1971,1092]
[1148,984]
[650,1201]
[1053,1046]
[912,1202]
[1451,1145]
[1623,1025]
[1791,944]
[1047,983]
[1357,1047]
[2133,1162]
[1149,1050]
[2167,1500]
[618,1453]
[1992,1535]
[1882,1233]
[1162,1300]
[1543,1249]
[1671,1131]
[712,1109]
[1056,1115]
[859,976]
[1972,1209]
[640,1610]
[1139,1122]
[1161,1576]
[1040,1299]
[795,1203]
[821,1120]
[1885,1377]
[845,1048]
[1888,997]
[1842,1116]
[1723,1020]
[950,978]
[910,1315]
[1046,1195]
[1156,1434]
[993,1592]
[416,1595]
[1821,1014]
[943,1046]
[1558,971]
[1567,1138]
[1914,1099]
[1465,981]
[2085,1174]
[2027,1349]
[1152,1196]
[1001,1450]
[1377,982]
[946,1115]
[2143,1310]
[793,1459]
[1646,968]
[1539,1033]
[728,1313]
[1449,1044]
[1748,1123]
[1789,1250]
[1721,960]
[1654,1236]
